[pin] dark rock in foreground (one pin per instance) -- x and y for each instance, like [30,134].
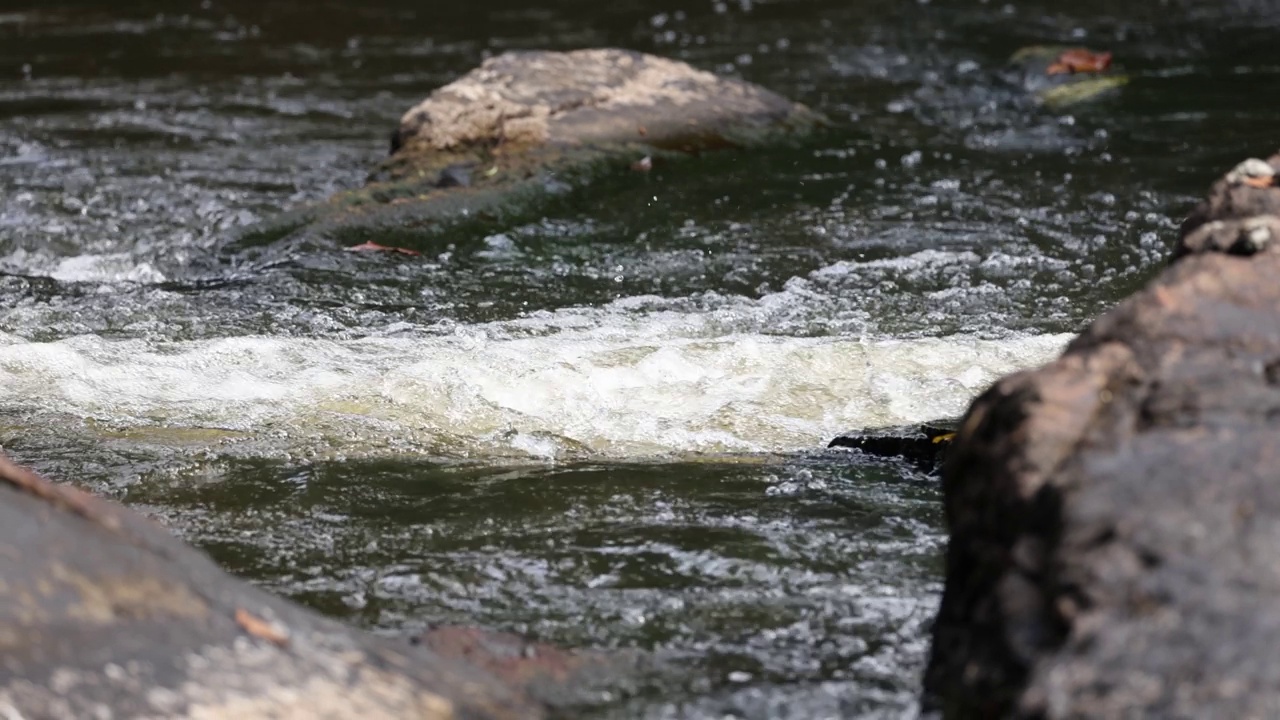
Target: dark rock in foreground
[1115,515]
[527,126]
[104,614]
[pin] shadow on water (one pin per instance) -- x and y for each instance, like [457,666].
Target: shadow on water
[462,436]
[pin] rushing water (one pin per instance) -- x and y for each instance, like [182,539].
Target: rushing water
[602,428]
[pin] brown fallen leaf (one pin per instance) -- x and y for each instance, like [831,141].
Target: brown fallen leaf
[373,246]
[261,629]
[1077,60]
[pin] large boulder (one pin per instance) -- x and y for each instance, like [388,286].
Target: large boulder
[1114,515]
[104,614]
[535,100]
[529,125]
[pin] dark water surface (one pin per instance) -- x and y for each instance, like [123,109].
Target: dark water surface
[599,428]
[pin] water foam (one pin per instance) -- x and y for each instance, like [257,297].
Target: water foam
[647,385]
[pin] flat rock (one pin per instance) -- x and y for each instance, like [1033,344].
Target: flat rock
[1114,515]
[104,614]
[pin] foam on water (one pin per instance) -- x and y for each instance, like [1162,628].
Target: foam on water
[576,383]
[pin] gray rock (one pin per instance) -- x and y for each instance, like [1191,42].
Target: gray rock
[104,614]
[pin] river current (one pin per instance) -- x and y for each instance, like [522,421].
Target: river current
[604,428]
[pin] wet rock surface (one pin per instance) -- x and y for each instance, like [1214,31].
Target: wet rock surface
[559,678]
[924,445]
[1112,514]
[104,614]
[526,126]
[522,100]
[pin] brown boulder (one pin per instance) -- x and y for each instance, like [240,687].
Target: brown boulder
[1114,514]
[527,126]
[520,101]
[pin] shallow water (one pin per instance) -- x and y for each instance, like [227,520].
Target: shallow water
[601,427]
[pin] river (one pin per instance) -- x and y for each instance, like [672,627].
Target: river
[603,428]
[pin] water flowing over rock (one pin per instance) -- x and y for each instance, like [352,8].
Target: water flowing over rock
[1113,515]
[526,126]
[104,614]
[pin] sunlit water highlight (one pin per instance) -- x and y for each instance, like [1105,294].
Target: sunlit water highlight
[580,384]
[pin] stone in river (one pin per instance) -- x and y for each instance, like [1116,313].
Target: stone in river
[1114,516]
[923,445]
[529,125]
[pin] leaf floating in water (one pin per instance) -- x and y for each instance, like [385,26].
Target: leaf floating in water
[261,629]
[373,246]
[1078,60]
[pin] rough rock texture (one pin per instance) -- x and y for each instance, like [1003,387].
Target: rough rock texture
[1115,515]
[519,100]
[104,614]
[1240,216]
[529,125]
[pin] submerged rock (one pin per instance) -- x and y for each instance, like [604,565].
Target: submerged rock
[924,445]
[563,679]
[528,125]
[1061,76]
[1114,515]
[104,614]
